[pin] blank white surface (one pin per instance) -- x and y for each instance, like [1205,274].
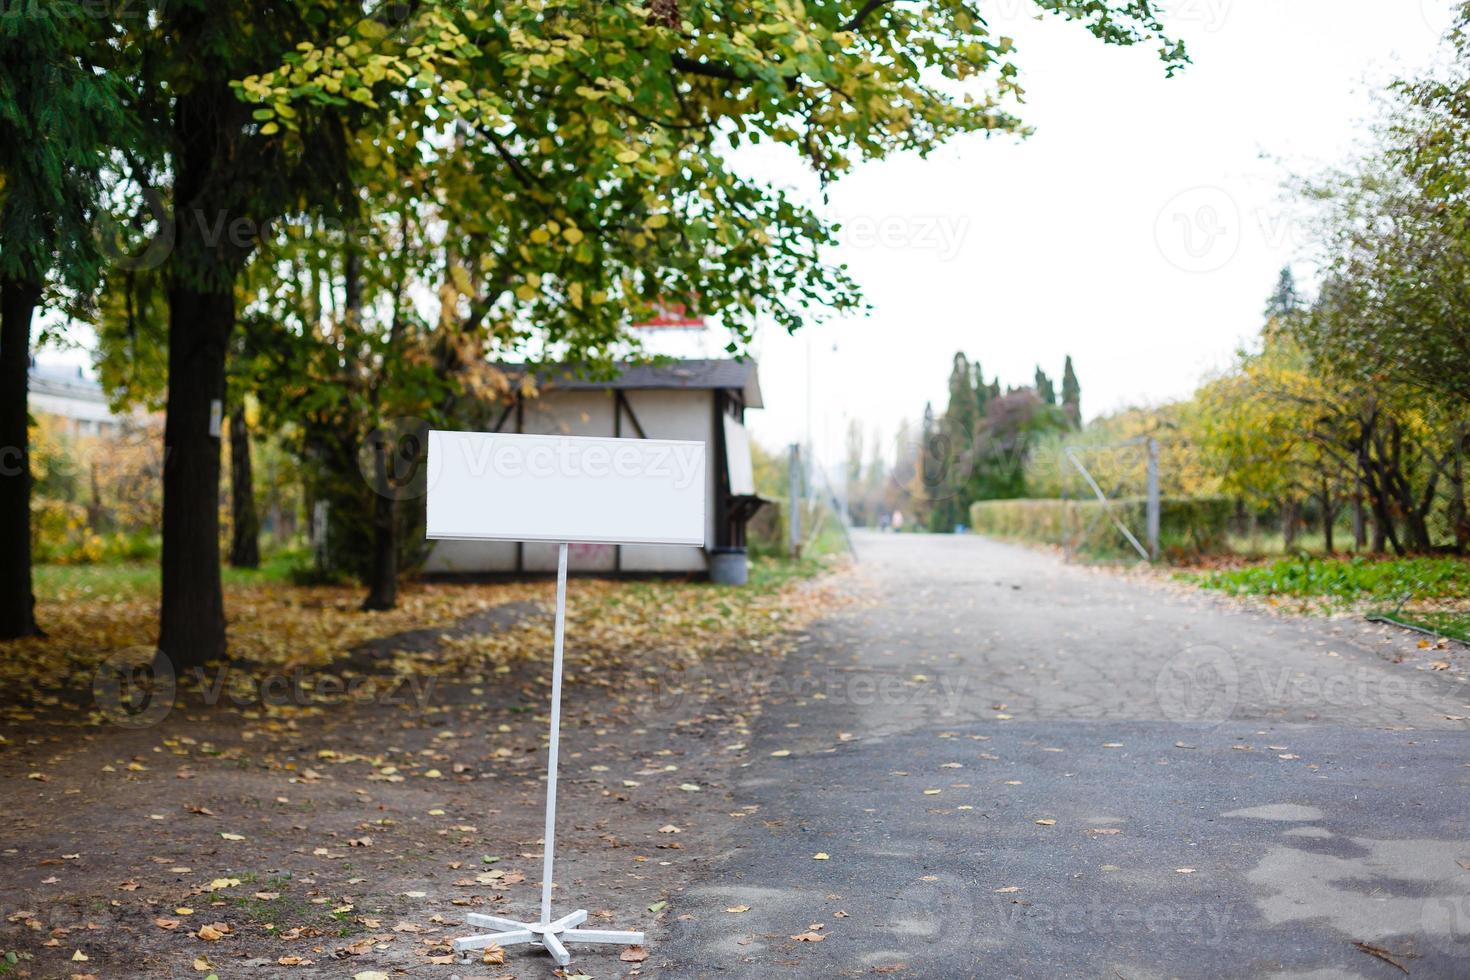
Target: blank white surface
[505,487]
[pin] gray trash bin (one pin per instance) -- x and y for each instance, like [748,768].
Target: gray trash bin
[728,566]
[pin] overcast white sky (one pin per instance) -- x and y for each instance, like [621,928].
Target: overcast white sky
[1078,239]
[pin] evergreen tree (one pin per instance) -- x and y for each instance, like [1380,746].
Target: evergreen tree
[1045,390]
[982,390]
[931,466]
[962,414]
[961,419]
[1285,298]
[58,115]
[1071,395]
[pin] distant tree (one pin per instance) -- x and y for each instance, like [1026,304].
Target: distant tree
[853,472]
[904,488]
[982,390]
[1071,395]
[1014,423]
[1285,299]
[877,487]
[932,471]
[957,433]
[961,414]
[1045,390]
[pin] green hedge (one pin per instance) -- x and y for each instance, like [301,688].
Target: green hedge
[1187,525]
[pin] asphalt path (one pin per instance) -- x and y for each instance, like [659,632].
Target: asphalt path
[995,764]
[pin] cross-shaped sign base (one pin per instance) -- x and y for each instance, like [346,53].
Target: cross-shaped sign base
[552,935]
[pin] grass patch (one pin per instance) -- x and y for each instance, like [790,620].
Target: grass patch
[134,579]
[769,573]
[1395,580]
[1455,625]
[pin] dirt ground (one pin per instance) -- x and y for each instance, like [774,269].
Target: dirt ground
[340,821]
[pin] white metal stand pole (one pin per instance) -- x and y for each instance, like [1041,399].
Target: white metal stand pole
[549,932]
[550,840]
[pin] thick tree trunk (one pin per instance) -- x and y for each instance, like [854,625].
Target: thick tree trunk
[245,537]
[383,576]
[192,619]
[17,600]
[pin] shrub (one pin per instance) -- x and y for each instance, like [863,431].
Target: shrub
[60,535]
[1187,525]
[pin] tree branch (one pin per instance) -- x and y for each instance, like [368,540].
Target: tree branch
[708,69]
[862,14]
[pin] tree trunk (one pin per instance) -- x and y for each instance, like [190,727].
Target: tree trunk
[1383,529]
[383,572]
[1329,517]
[245,539]
[192,618]
[1459,522]
[1376,476]
[96,515]
[1289,523]
[383,576]
[17,599]
[1360,521]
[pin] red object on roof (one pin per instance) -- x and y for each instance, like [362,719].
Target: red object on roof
[671,316]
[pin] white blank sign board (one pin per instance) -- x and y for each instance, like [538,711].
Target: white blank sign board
[499,486]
